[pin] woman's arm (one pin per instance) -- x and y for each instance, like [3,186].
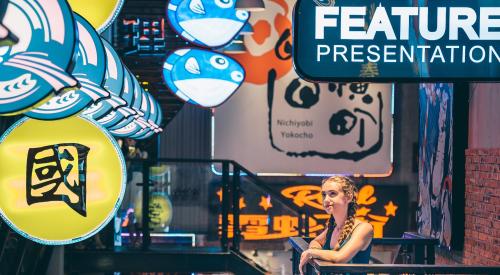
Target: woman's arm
[360,239]
[319,241]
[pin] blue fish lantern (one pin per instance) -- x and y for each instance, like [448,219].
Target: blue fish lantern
[89,70]
[115,116]
[39,64]
[202,77]
[131,125]
[154,120]
[113,83]
[206,23]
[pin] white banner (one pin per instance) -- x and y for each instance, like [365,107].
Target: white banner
[278,123]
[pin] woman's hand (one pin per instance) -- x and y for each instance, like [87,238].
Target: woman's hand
[304,259]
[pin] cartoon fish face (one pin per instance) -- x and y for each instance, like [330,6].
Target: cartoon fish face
[40,63]
[348,116]
[89,70]
[206,23]
[202,77]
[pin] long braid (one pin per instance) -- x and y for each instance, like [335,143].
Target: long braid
[349,189]
[349,223]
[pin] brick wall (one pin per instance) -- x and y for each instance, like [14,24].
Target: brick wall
[482,207]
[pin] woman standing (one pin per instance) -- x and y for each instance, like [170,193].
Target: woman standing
[346,239]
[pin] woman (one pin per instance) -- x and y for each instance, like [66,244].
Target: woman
[346,239]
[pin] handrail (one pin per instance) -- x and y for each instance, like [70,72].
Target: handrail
[322,267]
[303,214]
[250,174]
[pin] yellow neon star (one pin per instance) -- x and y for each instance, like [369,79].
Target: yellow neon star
[242,203]
[219,194]
[390,209]
[265,202]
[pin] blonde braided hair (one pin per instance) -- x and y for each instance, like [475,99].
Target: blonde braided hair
[350,190]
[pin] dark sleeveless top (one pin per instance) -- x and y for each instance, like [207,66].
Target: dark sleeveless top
[362,257]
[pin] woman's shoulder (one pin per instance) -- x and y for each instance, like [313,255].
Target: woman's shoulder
[363,227]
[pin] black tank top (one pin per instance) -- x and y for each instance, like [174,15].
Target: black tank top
[362,257]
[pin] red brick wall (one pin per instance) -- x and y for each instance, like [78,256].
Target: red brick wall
[482,207]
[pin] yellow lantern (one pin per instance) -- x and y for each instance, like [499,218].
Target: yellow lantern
[60,181]
[99,13]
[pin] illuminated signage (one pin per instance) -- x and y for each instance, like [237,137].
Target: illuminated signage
[113,83]
[62,186]
[89,70]
[204,23]
[99,13]
[38,65]
[396,40]
[202,77]
[160,210]
[115,116]
[384,207]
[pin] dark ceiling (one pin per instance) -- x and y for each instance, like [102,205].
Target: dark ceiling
[143,38]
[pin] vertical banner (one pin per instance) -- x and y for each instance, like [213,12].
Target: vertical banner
[279,123]
[434,211]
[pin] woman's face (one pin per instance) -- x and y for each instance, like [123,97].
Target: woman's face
[334,199]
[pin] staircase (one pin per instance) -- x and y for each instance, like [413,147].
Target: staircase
[19,255]
[161,260]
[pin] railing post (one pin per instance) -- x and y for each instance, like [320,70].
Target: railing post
[301,224]
[430,254]
[306,225]
[225,205]
[146,237]
[236,207]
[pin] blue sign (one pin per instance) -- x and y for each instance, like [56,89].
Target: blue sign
[202,77]
[391,40]
[154,120]
[39,64]
[206,23]
[115,116]
[89,70]
[113,83]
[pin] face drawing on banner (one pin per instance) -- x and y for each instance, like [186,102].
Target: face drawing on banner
[202,77]
[206,23]
[302,117]
[39,64]
[58,173]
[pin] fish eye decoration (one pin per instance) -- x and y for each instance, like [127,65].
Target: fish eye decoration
[89,70]
[39,64]
[200,76]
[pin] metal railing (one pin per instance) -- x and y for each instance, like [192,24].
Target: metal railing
[425,265]
[231,191]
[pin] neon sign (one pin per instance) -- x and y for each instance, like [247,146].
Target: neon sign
[260,225]
[63,186]
[394,40]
